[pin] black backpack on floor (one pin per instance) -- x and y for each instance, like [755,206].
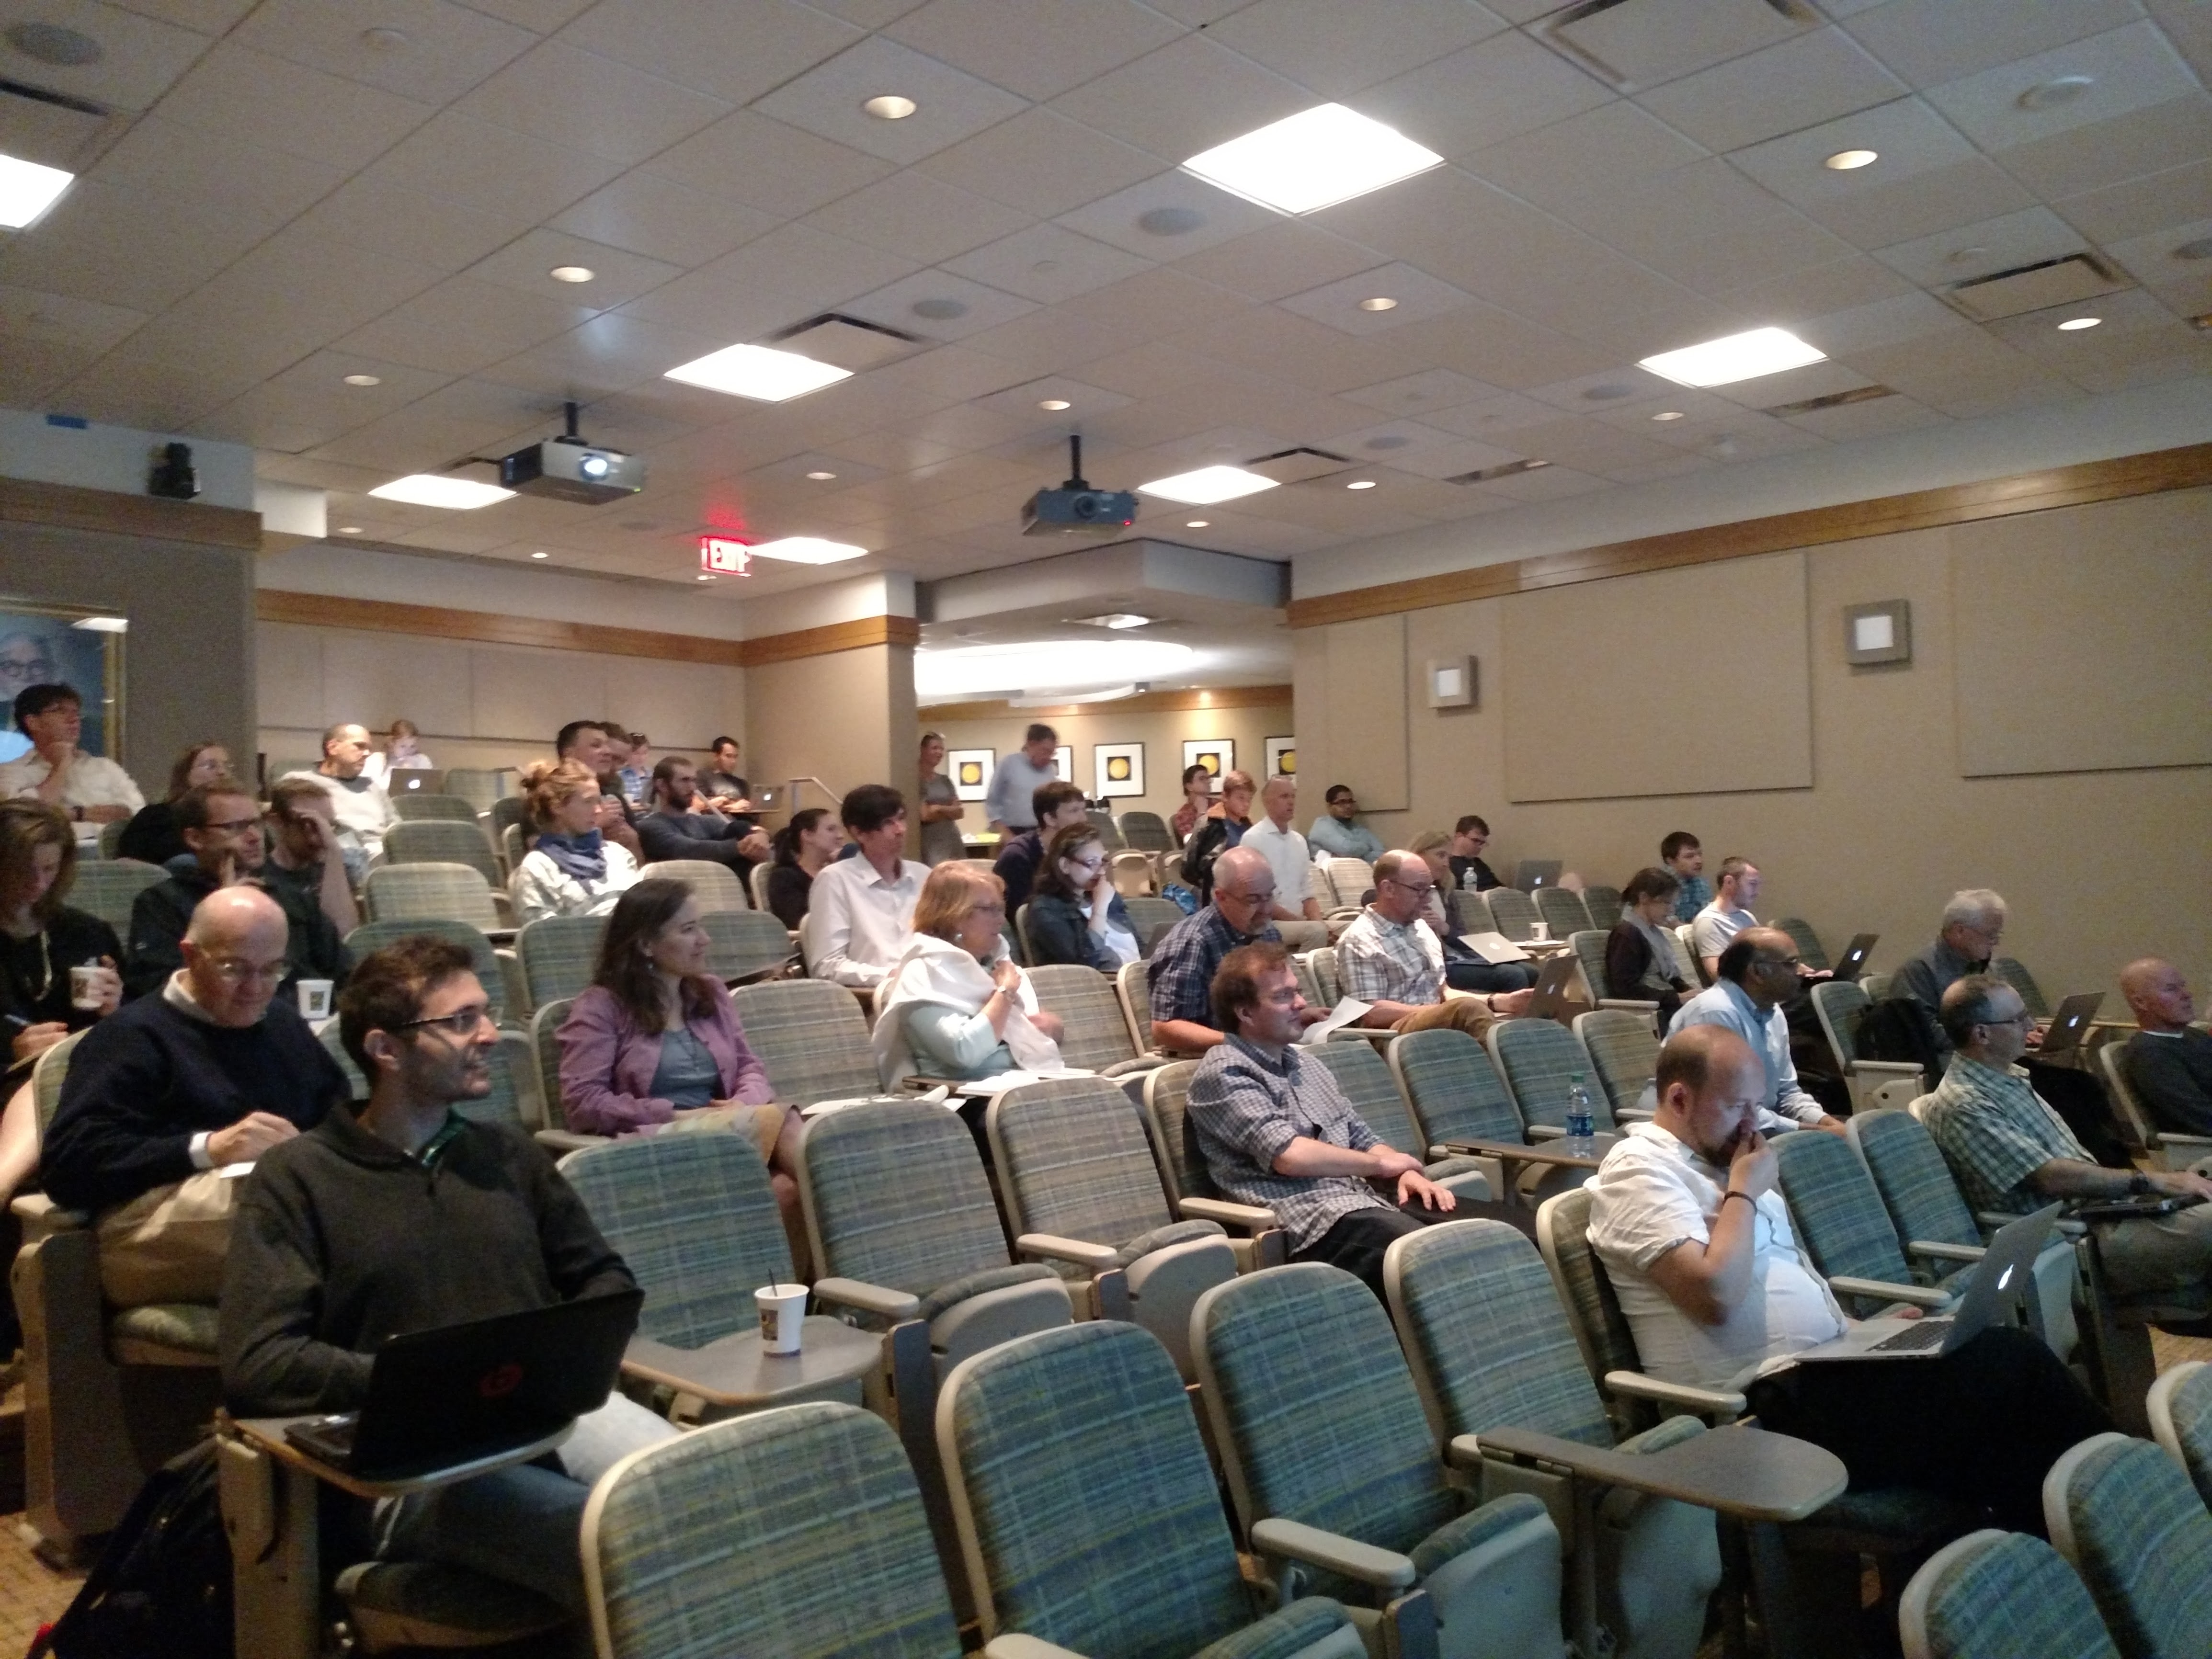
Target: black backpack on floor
[162,1587]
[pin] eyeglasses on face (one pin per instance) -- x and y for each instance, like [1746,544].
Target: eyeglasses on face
[232,971]
[461,1023]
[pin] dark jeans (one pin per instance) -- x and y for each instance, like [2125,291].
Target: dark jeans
[1358,1241]
[1982,1426]
[1467,975]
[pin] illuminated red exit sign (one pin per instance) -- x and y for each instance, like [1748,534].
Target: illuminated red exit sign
[722,556]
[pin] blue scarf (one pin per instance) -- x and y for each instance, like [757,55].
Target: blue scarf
[584,856]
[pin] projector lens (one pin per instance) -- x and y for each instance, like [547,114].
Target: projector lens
[592,467]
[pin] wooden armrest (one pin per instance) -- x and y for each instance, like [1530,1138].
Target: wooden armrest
[566,1140]
[1630,1004]
[1095,1257]
[1333,1553]
[868,1298]
[1884,1068]
[1701,1402]
[1936,1250]
[1917,1296]
[2195,1145]
[1015,1645]
[1250,1217]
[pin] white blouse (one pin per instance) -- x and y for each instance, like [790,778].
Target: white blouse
[540,887]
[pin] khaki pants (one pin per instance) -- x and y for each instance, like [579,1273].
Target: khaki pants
[1460,1013]
[168,1245]
[763,1123]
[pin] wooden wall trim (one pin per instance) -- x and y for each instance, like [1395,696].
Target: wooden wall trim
[1144,702]
[2183,467]
[383,616]
[70,506]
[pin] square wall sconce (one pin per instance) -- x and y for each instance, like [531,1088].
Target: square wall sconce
[1881,632]
[1451,682]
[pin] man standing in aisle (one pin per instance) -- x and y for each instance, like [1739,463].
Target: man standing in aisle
[1015,779]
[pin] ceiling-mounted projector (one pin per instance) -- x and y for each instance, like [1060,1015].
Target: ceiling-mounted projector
[569,470]
[1075,508]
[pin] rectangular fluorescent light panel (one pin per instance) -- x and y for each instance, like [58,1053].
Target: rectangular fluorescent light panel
[26,189]
[807,550]
[1207,485]
[1737,357]
[103,625]
[1326,154]
[759,372]
[431,489]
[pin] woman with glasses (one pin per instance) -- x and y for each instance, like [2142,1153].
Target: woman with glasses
[154,836]
[573,869]
[1075,914]
[957,1006]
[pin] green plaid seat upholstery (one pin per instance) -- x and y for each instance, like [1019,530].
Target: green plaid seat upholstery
[1147,915]
[111,837]
[744,943]
[713,886]
[1623,1053]
[1603,904]
[108,888]
[1365,1078]
[1512,912]
[1072,1160]
[1589,945]
[1915,1183]
[375,935]
[693,1217]
[1350,880]
[439,841]
[1309,988]
[1125,1553]
[357,1084]
[1327,981]
[1110,833]
[415,806]
[1810,950]
[545,1046]
[1147,832]
[2133,1527]
[1453,1088]
[410,892]
[46,1074]
[2181,1417]
[812,1037]
[1563,912]
[1840,1007]
[1839,1213]
[2014,973]
[1996,1594]
[1134,986]
[511,849]
[1167,1094]
[559,954]
[1601,1329]
[1538,1059]
[480,789]
[511,810]
[798,1532]
[164,1332]
[1096,1035]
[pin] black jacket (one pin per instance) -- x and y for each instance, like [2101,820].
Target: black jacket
[1059,931]
[72,939]
[707,835]
[160,915]
[152,836]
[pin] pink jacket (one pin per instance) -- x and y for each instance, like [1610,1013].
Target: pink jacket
[607,1063]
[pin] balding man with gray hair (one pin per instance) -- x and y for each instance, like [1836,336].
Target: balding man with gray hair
[1391,960]
[363,810]
[163,1096]
[1183,961]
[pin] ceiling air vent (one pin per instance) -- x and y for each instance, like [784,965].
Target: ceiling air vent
[1857,394]
[1639,44]
[1297,465]
[1488,473]
[2032,288]
[845,341]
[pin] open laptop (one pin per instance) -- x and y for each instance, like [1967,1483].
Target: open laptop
[2068,1025]
[2010,1261]
[413,781]
[438,1399]
[1852,962]
[1532,873]
[1555,982]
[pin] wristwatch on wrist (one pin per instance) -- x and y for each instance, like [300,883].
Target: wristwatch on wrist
[2138,1184]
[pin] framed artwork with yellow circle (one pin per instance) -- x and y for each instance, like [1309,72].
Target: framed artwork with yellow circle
[1121,769]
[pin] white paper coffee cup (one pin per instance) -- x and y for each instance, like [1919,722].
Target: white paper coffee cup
[783,1317]
[84,987]
[1539,931]
[315,999]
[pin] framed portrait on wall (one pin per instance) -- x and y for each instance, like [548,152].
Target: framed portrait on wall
[1120,769]
[1217,755]
[1064,758]
[971,771]
[1282,758]
[47,645]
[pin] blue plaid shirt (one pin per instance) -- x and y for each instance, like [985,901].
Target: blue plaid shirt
[1183,965]
[1247,1104]
[1695,895]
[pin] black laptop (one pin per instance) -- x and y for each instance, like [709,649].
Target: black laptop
[438,1399]
[1852,962]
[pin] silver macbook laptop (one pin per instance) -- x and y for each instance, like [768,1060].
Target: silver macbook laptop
[1990,1292]
[1537,872]
[2070,1025]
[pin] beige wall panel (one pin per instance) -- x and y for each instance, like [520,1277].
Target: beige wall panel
[377,679]
[2109,641]
[1362,719]
[679,705]
[524,696]
[847,718]
[1590,671]
[288,674]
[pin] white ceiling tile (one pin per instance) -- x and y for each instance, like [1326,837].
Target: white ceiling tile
[772,281]
[1850,335]
[1420,394]
[61,319]
[1021,402]
[791,470]
[430,230]
[915,215]
[1484,95]
[1980,250]
[893,307]
[214,174]
[2152,259]
[661,219]
[868,13]
[538,16]
[1185,98]
[1047,263]
[1045,342]
[949,374]
[1337,50]
[142,56]
[122,390]
[952,105]
[1280,259]
[1509,411]
[2116,212]
[309,404]
[1419,296]
[1811,78]
[2129,69]
[1794,385]
[1963,193]
[734,49]
[1606,390]
[474,161]
[1854,280]
[1705,225]
[1910,137]
[1453,457]
[93,244]
[1041,162]
[1038,48]
[1673,467]
[208,17]
[462,324]
[1121,218]
[425,49]
[2112,151]
[1930,41]
[591,104]
[1388,442]
[1876,418]
[1592,446]
[1159,303]
[250,96]
[1549,483]
[1684,404]
[1599,153]
[2037,334]
[618,277]
[748,159]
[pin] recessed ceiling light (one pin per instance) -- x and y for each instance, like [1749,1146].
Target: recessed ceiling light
[758,372]
[1668,415]
[364,379]
[1052,403]
[1327,154]
[26,189]
[1361,483]
[384,39]
[1965,256]
[1207,485]
[1379,302]
[819,475]
[1734,357]
[434,489]
[541,555]
[1848,160]
[349,530]
[572,273]
[2075,325]
[706,575]
[1112,619]
[891,107]
[808,549]
[1196,524]
[2049,94]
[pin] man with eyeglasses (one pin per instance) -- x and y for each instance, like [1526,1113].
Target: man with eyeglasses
[2013,1153]
[90,789]
[1391,960]
[1184,963]
[163,1096]
[222,829]
[1756,974]
[407,1216]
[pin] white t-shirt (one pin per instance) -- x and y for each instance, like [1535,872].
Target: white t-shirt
[1651,1194]
[1288,856]
[1715,926]
[94,780]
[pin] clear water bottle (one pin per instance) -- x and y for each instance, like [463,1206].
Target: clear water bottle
[1582,1121]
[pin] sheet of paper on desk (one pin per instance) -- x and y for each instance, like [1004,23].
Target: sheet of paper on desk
[1493,948]
[983,1088]
[817,1108]
[1347,1012]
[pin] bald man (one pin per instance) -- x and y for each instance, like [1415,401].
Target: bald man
[1391,960]
[2168,1062]
[163,1096]
[1297,913]
[364,811]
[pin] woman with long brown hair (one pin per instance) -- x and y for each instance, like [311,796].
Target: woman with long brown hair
[152,837]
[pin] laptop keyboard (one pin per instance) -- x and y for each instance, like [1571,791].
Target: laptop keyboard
[1922,1333]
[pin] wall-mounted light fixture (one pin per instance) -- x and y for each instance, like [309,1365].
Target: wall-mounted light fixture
[1880,632]
[1451,682]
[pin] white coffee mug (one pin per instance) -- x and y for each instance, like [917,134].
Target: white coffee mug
[1541,932]
[315,998]
[85,988]
[783,1317]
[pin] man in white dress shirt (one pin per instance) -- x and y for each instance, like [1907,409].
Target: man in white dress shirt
[859,912]
[1297,914]
[91,789]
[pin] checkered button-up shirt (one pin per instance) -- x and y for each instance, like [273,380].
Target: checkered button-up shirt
[1694,894]
[1384,961]
[1183,965]
[1994,1132]
[1247,1104]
